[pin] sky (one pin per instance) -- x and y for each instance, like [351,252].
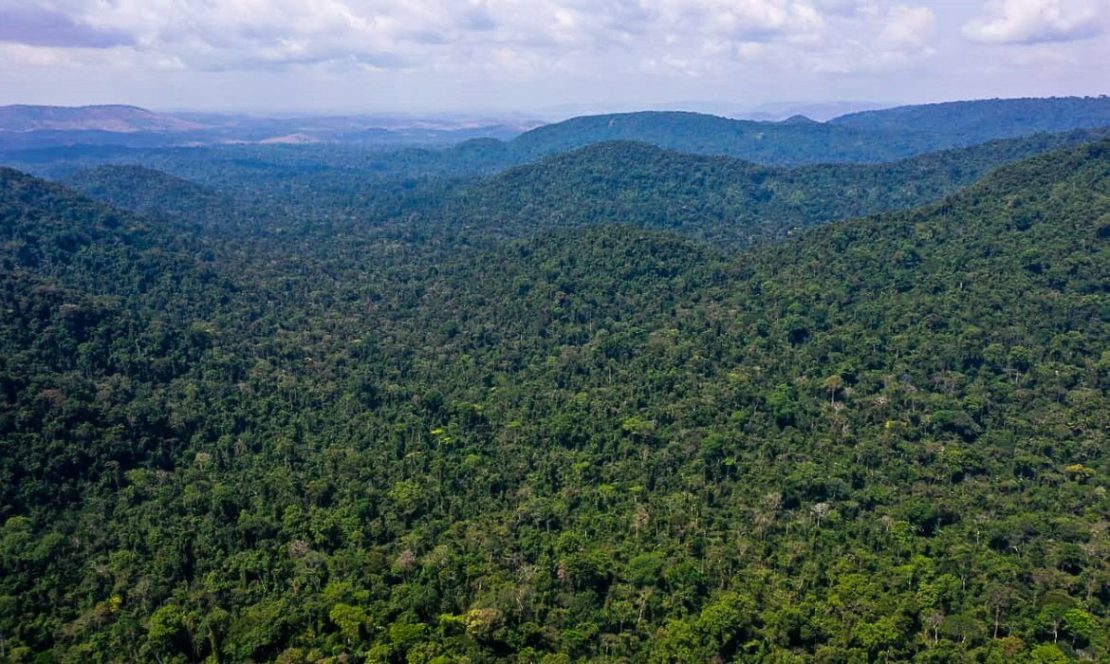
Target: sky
[529,55]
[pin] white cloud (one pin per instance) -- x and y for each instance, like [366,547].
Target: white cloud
[747,20]
[1035,21]
[515,38]
[874,37]
[908,28]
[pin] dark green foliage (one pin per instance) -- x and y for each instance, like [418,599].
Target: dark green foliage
[717,199]
[98,309]
[883,440]
[967,122]
[724,201]
[860,137]
[151,192]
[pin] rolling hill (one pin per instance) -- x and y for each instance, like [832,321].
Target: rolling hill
[883,439]
[968,122]
[156,194]
[725,201]
[405,148]
[116,119]
[728,202]
[25,127]
[871,136]
[90,294]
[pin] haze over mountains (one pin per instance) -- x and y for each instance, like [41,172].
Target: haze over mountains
[718,199]
[26,127]
[863,136]
[116,119]
[645,387]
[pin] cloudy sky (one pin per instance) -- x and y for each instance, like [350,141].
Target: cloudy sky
[524,55]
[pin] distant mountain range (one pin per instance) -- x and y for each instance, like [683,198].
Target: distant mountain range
[768,112]
[864,136]
[869,136]
[972,121]
[721,200]
[111,118]
[31,127]
[725,201]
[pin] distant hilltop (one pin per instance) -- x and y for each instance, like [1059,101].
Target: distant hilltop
[798,138]
[28,127]
[115,118]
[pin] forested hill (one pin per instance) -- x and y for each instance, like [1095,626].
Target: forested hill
[718,199]
[108,118]
[883,440]
[146,190]
[969,122]
[154,193]
[763,142]
[52,234]
[309,175]
[865,137]
[722,200]
[99,307]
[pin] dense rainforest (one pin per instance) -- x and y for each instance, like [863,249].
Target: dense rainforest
[620,404]
[871,137]
[717,199]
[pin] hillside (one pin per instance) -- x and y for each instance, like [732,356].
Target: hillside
[871,136]
[141,189]
[724,201]
[773,143]
[154,193]
[967,122]
[108,118]
[94,300]
[52,233]
[882,440]
[398,149]
[24,127]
